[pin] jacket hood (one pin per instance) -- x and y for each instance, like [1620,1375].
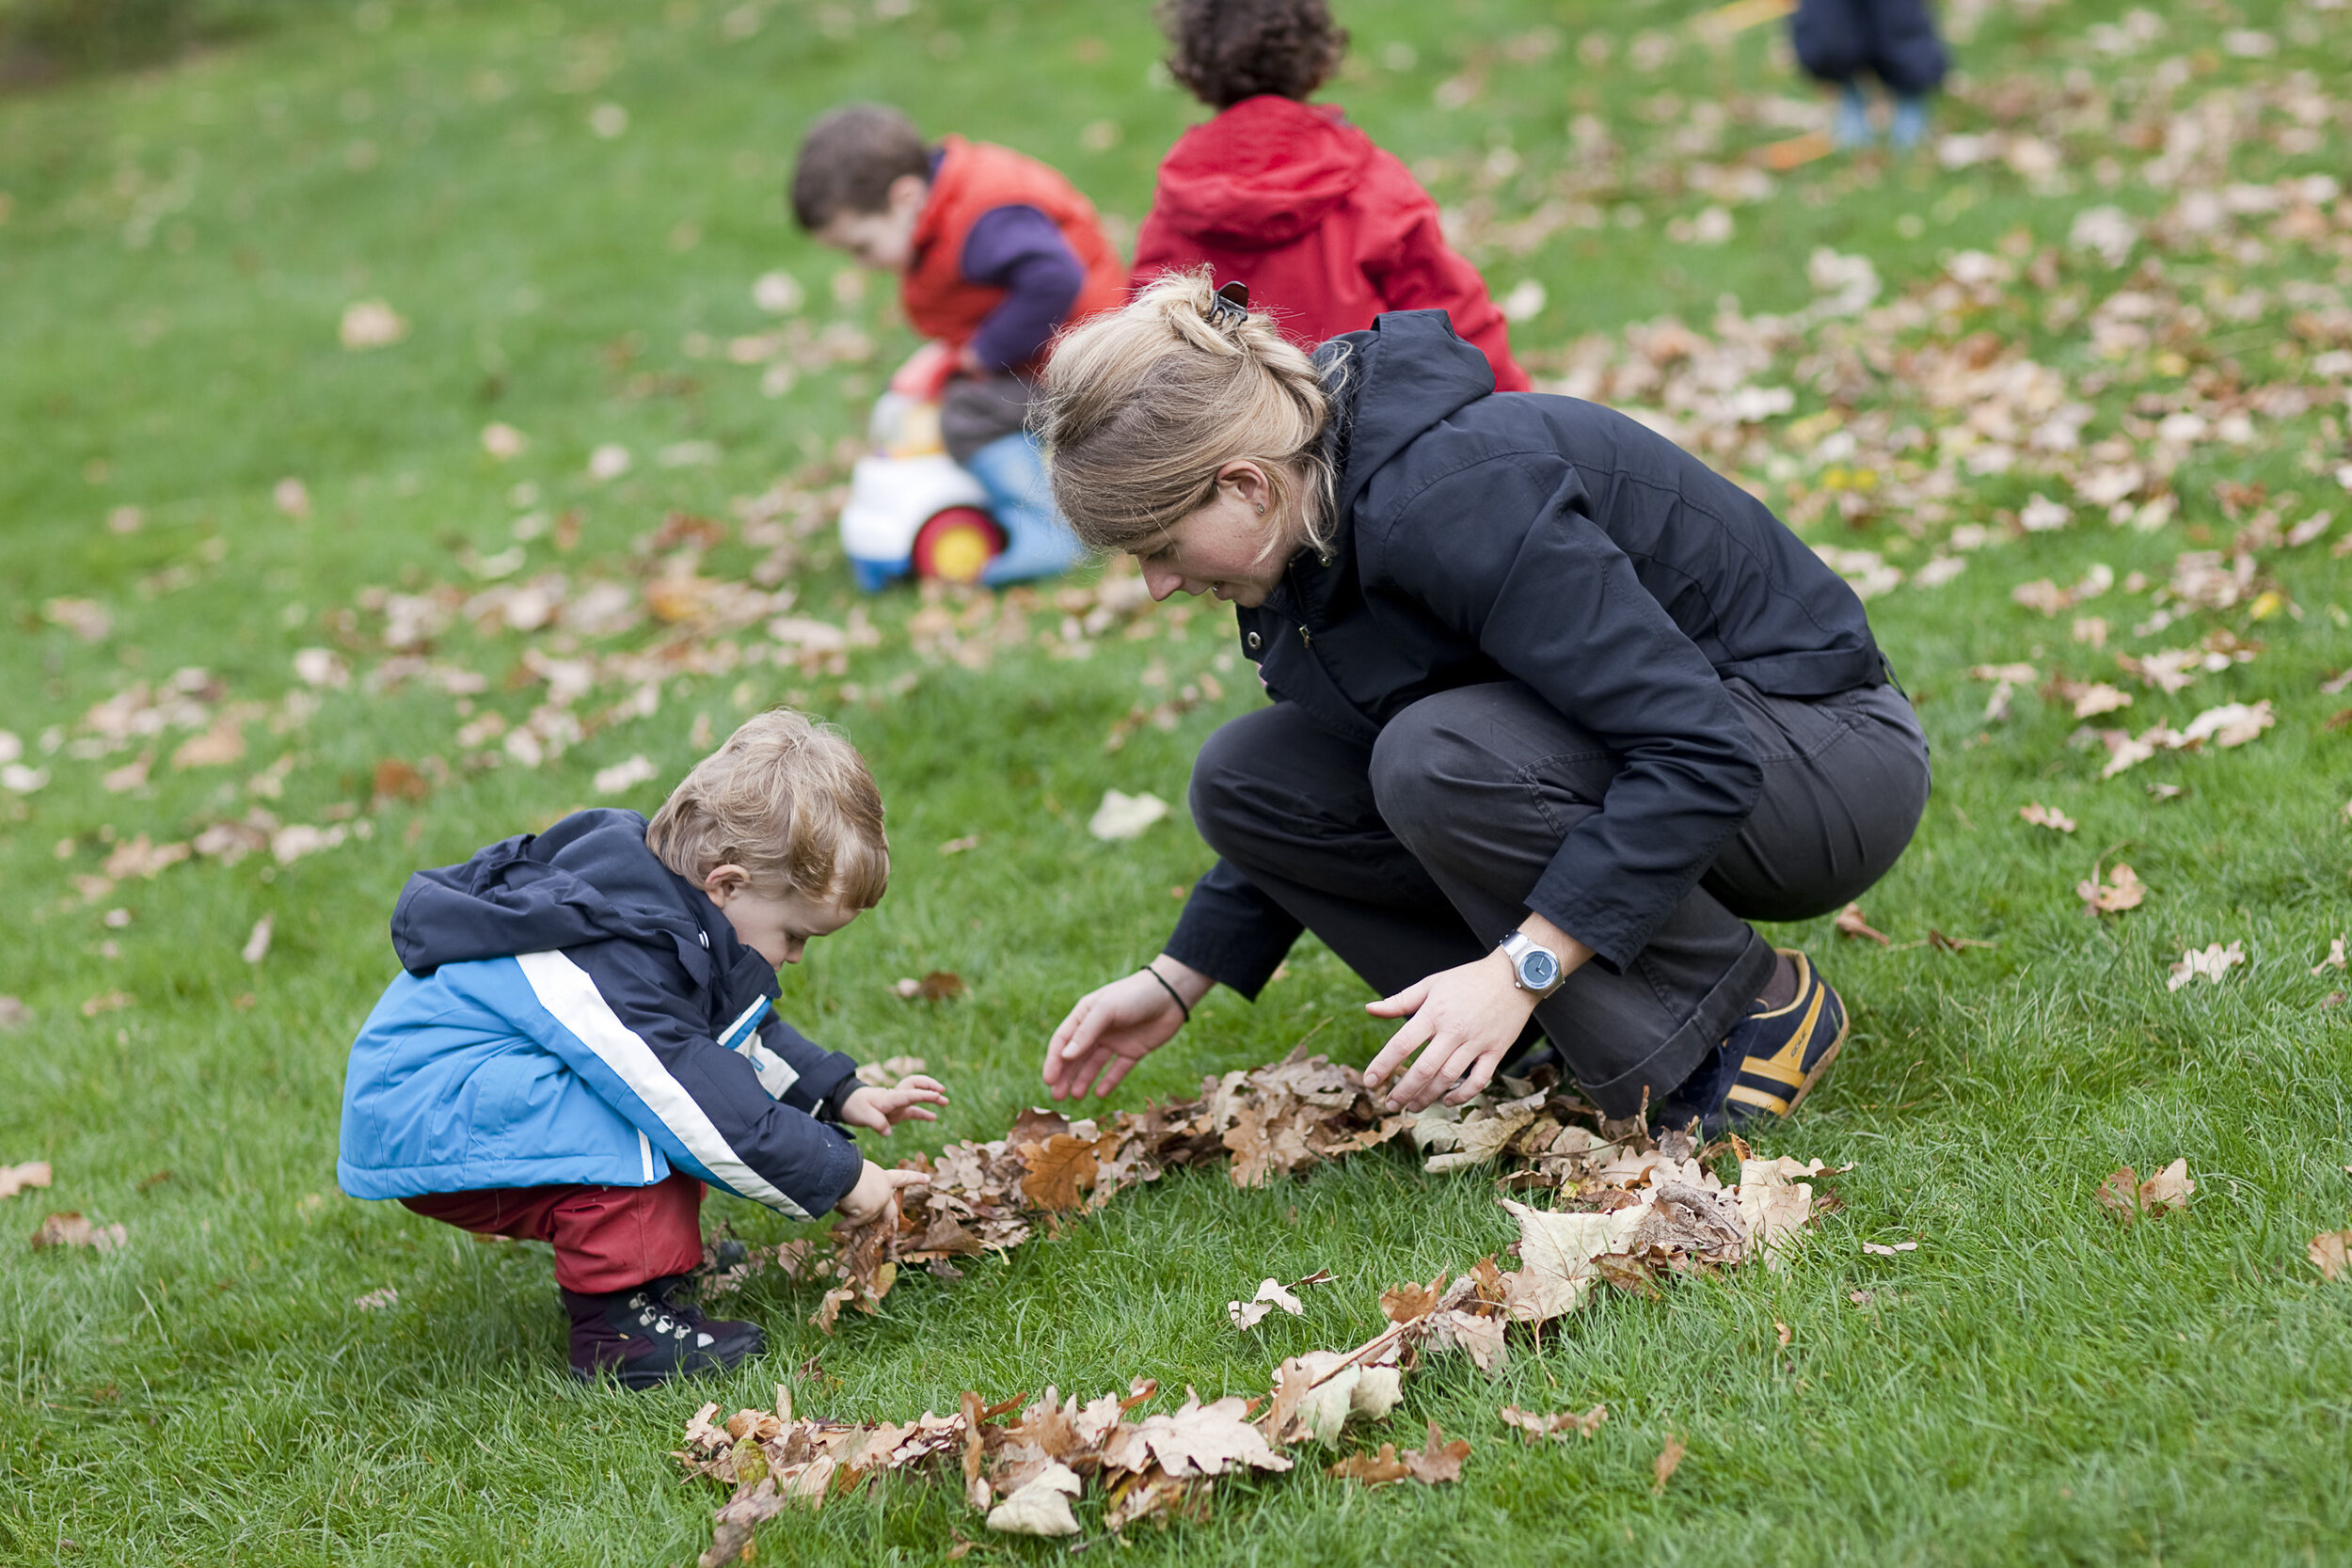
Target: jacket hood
[588,878]
[1261,174]
[1391,383]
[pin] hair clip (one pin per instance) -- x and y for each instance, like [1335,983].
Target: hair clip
[1232,303]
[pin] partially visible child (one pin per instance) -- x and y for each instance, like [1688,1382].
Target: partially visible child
[584,1037]
[1325,229]
[994,254]
[1836,40]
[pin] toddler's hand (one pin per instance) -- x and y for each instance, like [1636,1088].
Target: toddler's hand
[882,1109]
[877,1190]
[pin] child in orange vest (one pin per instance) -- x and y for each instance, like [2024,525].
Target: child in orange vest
[995,253]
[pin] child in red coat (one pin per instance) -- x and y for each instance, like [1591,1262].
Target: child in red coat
[1325,229]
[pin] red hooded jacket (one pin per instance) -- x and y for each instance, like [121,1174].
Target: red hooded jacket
[1325,229]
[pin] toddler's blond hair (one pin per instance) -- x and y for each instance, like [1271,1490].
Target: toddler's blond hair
[787,799]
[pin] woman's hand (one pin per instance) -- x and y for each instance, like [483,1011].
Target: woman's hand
[1115,1026]
[882,1109]
[877,1190]
[1462,1020]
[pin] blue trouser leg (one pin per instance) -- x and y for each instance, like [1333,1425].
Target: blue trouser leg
[1037,544]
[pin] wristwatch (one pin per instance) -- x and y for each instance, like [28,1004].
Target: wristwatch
[1532,968]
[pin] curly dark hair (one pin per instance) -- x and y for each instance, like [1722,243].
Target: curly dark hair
[1228,50]
[849,160]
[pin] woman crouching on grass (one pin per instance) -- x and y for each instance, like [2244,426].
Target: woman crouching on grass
[1556,711]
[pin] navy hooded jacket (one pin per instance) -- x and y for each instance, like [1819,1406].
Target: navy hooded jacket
[574,1011]
[1523,536]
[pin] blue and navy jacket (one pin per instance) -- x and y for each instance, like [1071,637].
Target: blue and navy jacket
[574,1011]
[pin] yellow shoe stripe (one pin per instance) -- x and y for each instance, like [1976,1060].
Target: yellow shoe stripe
[1787,1064]
[1747,1096]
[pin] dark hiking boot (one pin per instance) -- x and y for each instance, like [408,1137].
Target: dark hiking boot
[1768,1062]
[645,1336]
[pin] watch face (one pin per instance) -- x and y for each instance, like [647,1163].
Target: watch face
[1539,970]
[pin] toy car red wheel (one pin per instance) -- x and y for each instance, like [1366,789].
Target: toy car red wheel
[956,544]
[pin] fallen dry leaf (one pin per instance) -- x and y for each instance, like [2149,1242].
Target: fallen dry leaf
[2046,816]
[1780,1332]
[2331,1253]
[1372,1469]
[2333,961]
[71,1229]
[1271,1295]
[2127,1197]
[2211,964]
[1122,816]
[257,945]
[1851,923]
[1060,1171]
[16,1179]
[1881,1250]
[1533,1427]
[2122,890]
[1439,1461]
[940,985]
[1039,1506]
[1669,1460]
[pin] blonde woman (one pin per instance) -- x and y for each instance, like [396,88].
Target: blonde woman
[1556,711]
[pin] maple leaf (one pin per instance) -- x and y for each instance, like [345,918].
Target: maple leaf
[1533,1427]
[2051,818]
[2331,1253]
[1774,1206]
[2122,890]
[1668,1461]
[1851,923]
[1439,1461]
[16,1179]
[1041,1506]
[1409,1302]
[1557,1251]
[1059,1169]
[1372,1469]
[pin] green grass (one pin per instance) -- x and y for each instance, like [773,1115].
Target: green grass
[2035,1384]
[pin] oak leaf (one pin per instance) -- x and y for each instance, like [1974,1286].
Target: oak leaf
[1060,1170]
[1533,1427]
[1271,1295]
[16,1179]
[2331,1253]
[2126,1197]
[1041,1506]
[2051,818]
[1439,1461]
[2122,890]
[2211,964]
[1850,923]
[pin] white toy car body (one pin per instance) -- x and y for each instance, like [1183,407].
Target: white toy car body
[913,509]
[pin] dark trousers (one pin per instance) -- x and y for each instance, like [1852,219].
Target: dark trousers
[1894,40]
[606,1239]
[1416,854]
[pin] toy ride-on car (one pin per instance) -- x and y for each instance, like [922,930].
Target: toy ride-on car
[913,509]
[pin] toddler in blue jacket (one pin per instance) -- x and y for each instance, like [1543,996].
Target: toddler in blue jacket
[585,1035]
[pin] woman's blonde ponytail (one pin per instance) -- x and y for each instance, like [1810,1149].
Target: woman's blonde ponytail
[1141,407]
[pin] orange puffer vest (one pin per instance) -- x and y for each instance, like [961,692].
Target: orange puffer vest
[974,178]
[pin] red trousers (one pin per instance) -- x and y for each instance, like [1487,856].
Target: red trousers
[606,1239]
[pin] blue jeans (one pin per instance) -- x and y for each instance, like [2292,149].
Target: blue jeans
[1038,543]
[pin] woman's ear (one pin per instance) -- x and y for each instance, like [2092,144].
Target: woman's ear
[1248,482]
[722,882]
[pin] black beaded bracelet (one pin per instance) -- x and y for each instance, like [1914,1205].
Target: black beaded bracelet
[1172,993]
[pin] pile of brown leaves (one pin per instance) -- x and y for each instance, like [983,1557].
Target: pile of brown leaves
[1629,1210]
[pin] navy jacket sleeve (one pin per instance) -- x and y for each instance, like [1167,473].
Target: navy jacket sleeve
[1231,931]
[617,1013]
[1018,249]
[1525,572]
[818,1080]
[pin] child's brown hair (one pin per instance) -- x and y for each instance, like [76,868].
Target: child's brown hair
[789,800]
[850,159]
[1228,50]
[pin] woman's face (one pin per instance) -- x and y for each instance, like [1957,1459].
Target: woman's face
[1221,550]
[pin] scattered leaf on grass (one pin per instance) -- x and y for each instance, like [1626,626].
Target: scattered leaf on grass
[2046,816]
[2211,964]
[2122,890]
[257,945]
[16,1179]
[1668,1461]
[1271,1295]
[2127,1197]
[1880,1250]
[1123,816]
[1567,1423]
[958,846]
[2331,1253]
[940,985]
[71,1229]
[1435,1462]
[1780,1332]
[1851,923]
[14,1014]
[2333,961]
[376,1301]
[371,323]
